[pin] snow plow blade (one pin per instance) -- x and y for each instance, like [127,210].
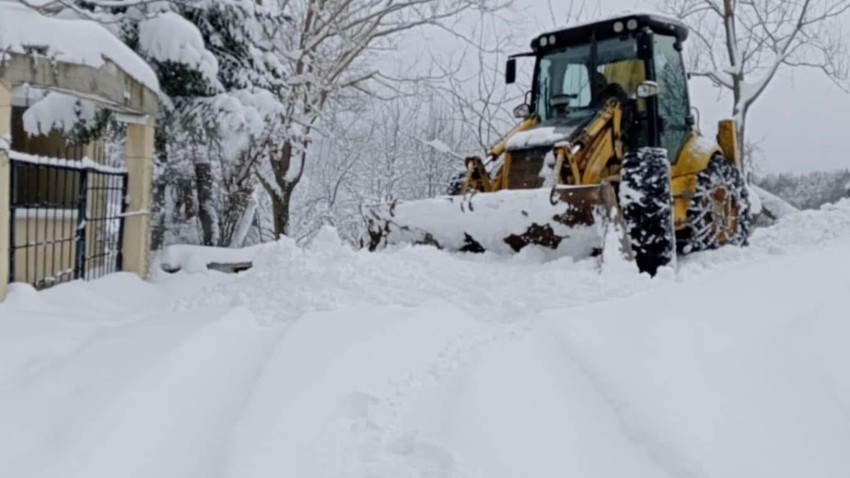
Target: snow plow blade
[569,219]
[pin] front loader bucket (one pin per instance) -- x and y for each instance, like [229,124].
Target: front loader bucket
[569,219]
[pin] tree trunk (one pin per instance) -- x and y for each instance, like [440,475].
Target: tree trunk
[206,204]
[234,207]
[280,209]
[286,185]
[243,225]
[746,159]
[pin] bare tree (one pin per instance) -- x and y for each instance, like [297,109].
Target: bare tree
[741,45]
[473,81]
[326,52]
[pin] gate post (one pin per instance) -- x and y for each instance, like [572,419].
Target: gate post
[5,186]
[137,231]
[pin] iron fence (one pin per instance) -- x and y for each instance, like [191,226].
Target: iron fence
[66,221]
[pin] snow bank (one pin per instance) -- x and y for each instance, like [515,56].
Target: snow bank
[73,41]
[775,205]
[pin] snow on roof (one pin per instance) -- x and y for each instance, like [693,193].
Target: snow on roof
[80,42]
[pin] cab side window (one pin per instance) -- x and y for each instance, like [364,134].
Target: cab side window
[577,85]
[673,103]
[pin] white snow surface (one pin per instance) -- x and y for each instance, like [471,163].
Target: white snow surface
[76,41]
[328,362]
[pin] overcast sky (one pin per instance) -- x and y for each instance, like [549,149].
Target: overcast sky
[799,121]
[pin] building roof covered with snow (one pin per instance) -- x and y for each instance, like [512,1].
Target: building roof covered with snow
[75,56]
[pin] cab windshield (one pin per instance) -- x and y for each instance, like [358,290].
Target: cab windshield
[579,78]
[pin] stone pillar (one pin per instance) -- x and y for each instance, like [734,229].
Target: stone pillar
[5,145]
[137,225]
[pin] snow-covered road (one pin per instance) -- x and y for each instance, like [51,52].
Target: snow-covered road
[325,362]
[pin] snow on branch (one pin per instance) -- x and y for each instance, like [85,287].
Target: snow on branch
[759,38]
[170,37]
[330,50]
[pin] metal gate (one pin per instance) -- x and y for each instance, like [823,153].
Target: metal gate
[66,221]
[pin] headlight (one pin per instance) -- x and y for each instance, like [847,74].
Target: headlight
[632,24]
[618,27]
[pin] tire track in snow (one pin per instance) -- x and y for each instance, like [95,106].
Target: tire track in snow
[114,311]
[666,456]
[173,421]
[44,366]
[372,438]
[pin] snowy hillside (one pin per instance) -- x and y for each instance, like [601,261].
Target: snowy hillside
[325,362]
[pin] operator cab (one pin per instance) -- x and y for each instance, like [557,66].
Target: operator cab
[579,68]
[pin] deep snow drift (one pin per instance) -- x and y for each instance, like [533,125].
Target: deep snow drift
[325,362]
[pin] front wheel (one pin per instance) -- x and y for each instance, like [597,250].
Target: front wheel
[647,205]
[719,212]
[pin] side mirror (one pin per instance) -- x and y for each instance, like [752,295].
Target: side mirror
[647,89]
[510,71]
[522,111]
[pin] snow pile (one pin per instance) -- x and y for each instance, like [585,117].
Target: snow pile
[22,30]
[325,362]
[773,204]
[810,226]
[488,219]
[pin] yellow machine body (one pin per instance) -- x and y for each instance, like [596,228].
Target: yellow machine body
[590,159]
[580,173]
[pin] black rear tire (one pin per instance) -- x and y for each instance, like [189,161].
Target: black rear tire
[719,212]
[647,205]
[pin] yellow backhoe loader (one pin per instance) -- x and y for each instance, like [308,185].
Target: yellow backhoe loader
[607,142]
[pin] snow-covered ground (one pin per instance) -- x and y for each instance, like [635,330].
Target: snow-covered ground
[411,362]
